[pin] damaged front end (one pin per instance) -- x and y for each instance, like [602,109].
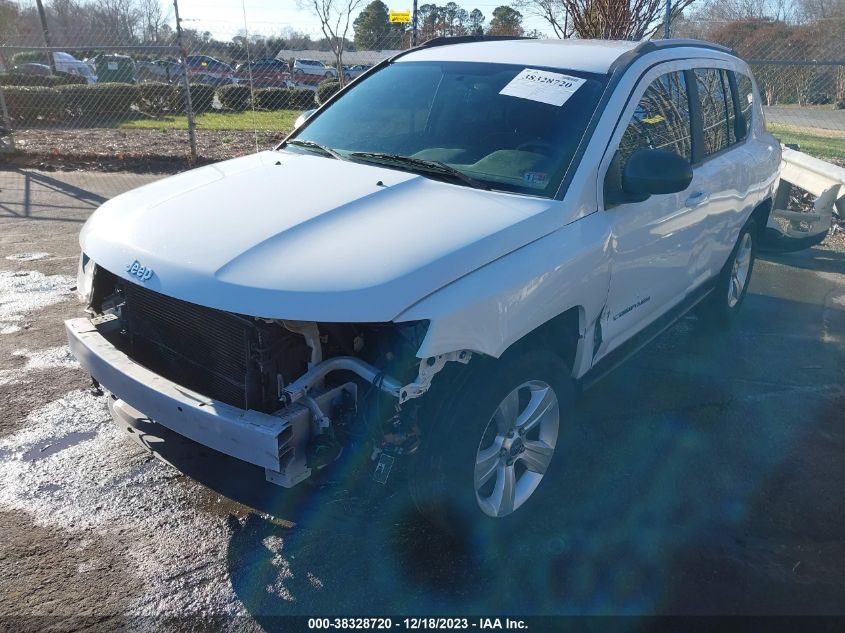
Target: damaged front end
[250,387]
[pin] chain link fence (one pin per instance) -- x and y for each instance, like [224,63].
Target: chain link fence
[800,69]
[93,102]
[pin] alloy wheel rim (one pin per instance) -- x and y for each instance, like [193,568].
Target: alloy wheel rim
[739,271]
[516,448]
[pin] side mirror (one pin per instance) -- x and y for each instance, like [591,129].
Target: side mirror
[655,171]
[302,118]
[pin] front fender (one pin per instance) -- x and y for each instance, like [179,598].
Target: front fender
[495,306]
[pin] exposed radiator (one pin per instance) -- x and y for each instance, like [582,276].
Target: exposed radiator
[228,357]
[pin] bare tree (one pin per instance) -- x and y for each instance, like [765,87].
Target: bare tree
[810,10]
[8,19]
[335,18]
[732,10]
[552,11]
[604,19]
[119,20]
[154,17]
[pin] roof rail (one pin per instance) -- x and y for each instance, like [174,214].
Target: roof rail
[468,39]
[676,42]
[649,46]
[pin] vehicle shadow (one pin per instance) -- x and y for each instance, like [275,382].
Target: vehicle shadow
[674,463]
[816,259]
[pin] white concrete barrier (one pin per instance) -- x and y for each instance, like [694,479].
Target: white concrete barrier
[794,230]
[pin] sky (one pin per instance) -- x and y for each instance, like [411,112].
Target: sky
[224,18]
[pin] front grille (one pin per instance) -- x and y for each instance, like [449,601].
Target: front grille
[228,357]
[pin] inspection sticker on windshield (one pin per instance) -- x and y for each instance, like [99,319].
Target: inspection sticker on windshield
[543,86]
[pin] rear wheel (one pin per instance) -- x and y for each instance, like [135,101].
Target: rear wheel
[722,305]
[488,455]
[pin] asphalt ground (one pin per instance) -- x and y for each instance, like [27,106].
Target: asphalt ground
[705,476]
[824,118]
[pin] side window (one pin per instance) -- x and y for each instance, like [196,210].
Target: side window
[745,97]
[715,98]
[661,120]
[729,103]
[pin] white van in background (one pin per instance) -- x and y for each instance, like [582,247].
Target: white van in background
[67,63]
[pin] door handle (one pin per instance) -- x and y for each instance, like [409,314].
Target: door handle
[696,198]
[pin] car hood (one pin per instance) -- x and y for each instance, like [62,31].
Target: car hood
[302,237]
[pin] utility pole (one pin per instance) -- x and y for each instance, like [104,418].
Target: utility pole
[667,23]
[42,15]
[189,108]
[414,25]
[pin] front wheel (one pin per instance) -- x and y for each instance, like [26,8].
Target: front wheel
[723,304]
[488,453]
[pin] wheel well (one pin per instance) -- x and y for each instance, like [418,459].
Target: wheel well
[559,334]
[760,215]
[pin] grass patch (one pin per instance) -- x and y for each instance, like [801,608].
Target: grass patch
[279,120]
[822,144]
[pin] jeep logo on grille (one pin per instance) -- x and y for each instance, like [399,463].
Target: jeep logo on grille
[143,273]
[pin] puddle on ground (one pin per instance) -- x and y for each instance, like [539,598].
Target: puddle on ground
[45,450]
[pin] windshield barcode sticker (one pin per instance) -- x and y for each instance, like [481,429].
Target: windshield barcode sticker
[543,86]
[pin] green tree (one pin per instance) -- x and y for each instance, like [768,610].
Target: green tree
[475,25]
[429,21]
[506,21]
[373,30]
[454,19]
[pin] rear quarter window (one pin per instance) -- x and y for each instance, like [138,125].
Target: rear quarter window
[745,99]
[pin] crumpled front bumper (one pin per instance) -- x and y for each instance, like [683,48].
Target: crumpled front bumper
[275,442]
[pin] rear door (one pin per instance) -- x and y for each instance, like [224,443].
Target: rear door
[722,172]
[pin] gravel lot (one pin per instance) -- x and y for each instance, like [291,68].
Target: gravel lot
[706,476]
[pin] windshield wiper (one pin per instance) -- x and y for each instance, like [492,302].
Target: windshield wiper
[323,149]
[421,164]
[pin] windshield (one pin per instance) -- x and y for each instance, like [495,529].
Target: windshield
[484,120]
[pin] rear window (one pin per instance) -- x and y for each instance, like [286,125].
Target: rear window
[714,95]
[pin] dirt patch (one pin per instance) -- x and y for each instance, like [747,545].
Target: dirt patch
[81,582]
[142,151]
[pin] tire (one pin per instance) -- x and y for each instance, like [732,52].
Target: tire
[720,308]
[472,452]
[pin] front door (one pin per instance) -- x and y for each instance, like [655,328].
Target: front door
[651,240]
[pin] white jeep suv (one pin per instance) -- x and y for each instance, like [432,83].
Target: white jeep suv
[420,278]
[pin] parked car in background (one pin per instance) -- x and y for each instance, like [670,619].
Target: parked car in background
[115,69]
[165,70]
[209,70]
[265,73]
[67,63]
[148,71]
[311,71]
[31,68]
[351,72]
